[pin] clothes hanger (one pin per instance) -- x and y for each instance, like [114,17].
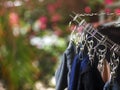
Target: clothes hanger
[115,23]
[114,63]
[75,34]
[99,36]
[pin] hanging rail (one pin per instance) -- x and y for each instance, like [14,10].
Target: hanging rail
[100,37]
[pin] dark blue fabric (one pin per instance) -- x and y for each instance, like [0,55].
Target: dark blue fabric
[74,74]
[63,71]
[89,77]
[112,85]
[118,74]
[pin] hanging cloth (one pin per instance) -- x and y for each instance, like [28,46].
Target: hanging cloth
[64,69]
[89,77]
[112,85]
[74,75]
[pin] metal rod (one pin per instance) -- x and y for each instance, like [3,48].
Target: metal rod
[97,35]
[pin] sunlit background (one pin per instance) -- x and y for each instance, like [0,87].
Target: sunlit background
[35,33]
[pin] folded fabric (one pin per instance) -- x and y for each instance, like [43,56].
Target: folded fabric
[63,72]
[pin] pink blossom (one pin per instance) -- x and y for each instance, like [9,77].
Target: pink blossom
[13,18]
[117,11]
[43,22]
[108,1]
[107,10]
[43,19]
[87,9]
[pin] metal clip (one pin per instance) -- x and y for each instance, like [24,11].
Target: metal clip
[114,62]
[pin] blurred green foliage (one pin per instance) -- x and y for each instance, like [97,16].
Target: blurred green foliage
[21,64]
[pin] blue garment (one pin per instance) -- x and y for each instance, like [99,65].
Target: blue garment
[74,73]
[63,71]
[112,85]
[84,76]
[118,74]
[89,76]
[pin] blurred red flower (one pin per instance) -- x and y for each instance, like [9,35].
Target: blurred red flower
[43,22]
[117,11]
[108,1]
[87,9]
[107,10]
[43,19]
[13,18]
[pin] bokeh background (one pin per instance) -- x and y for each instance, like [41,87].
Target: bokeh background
[35,33]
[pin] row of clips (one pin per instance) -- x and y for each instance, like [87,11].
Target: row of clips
[86,35]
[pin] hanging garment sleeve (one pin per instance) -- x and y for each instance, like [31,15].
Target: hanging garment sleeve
[63,72]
